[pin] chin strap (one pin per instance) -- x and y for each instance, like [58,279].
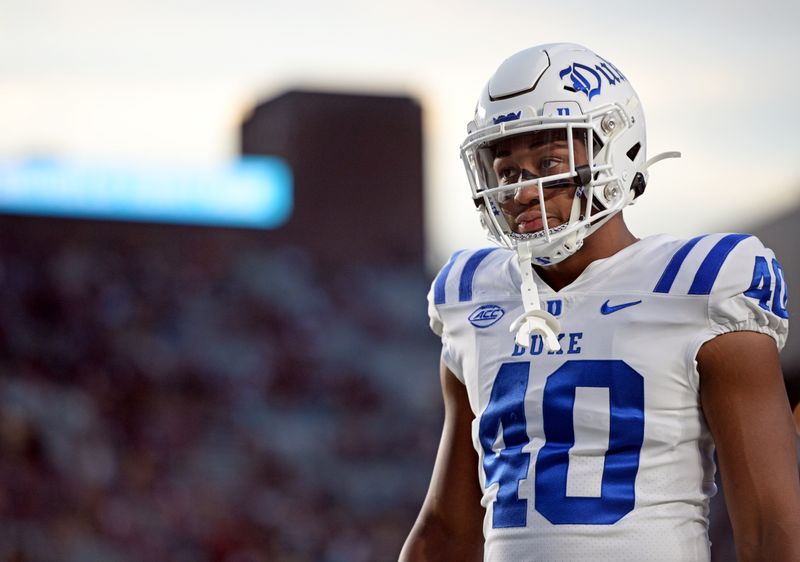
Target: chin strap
[534,319]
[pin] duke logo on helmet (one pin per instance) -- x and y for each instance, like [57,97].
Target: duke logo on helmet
[588,81]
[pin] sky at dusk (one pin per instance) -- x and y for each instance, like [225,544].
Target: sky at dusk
[169,81]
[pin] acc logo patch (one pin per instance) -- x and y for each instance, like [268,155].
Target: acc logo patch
[486,315]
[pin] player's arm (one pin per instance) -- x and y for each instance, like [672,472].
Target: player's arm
[745,405]
[449,525]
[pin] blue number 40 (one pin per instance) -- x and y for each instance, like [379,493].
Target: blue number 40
[506,412]
[760,287]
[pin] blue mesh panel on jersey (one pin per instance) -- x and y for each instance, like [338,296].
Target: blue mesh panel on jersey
[441,279]
[707,273]
[671,272]
[468,274]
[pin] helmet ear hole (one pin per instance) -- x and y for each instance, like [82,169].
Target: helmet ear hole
[634,151]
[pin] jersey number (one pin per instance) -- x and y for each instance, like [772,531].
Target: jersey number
[506,412]
[760,287]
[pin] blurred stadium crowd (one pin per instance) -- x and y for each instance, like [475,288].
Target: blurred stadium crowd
[177,397]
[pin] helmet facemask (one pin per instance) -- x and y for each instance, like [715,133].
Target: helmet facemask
[516,168]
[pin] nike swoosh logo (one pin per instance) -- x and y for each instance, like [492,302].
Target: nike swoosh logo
[608,309]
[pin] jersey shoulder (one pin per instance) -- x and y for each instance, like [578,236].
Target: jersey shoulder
[740,277]
[473,276]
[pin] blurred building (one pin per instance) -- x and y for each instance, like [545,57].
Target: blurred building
[357,167]
[218,394]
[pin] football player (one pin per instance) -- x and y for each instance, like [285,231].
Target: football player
[589,376]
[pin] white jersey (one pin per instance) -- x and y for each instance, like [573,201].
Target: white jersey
[600,451]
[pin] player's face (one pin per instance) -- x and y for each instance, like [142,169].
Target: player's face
[531,156]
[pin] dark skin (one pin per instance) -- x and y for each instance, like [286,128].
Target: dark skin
[745,405]
[450,523]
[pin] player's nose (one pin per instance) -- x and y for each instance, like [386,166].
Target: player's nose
[528,194]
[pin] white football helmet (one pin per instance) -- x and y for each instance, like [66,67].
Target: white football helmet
[584,107]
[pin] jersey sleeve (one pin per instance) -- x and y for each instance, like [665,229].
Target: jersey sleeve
[749,294]
[437,323]
[469,280]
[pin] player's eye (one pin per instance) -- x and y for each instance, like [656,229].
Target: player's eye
[508,174]
[549,164]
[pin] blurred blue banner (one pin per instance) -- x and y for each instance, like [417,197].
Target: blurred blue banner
[253,191]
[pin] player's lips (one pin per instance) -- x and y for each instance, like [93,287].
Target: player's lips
[532,221]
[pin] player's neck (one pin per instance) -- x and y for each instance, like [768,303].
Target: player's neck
[607,241]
